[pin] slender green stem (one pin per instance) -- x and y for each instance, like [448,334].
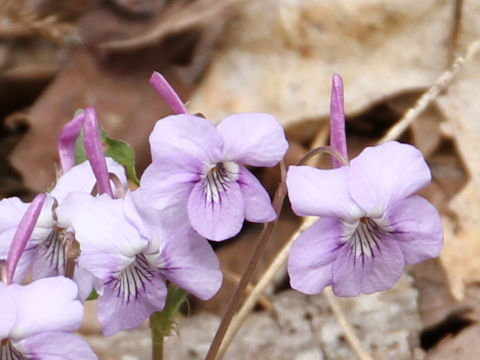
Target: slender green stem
[161,322]
[157,347]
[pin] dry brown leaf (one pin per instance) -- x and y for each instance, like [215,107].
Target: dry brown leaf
[279,56]
[460,105]
[126,104]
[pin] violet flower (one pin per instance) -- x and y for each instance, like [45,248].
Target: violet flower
[133,253]
[196,171]
[371,225]
[47,248]
[37,320]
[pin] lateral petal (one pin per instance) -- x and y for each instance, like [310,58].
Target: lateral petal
[310,265]
[258,206]
[191,264]
[417,228]
[166,186]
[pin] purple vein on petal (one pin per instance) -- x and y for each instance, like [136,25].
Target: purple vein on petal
[23,234]
[95,153]
[166,91]
[337,119]
[67,140]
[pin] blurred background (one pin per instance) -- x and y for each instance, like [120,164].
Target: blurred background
[276,56]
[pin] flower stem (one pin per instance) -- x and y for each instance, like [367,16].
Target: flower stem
[342,160]
[239,293]
[161,321]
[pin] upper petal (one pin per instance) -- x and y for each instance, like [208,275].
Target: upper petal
[384,174]
[253,138]
[216,218]
[108,241]
[310,264]
[258,206]
[81,178]
[321,192]
[360,273]
[417,227]
[186,134]
[191,264]
[48,304]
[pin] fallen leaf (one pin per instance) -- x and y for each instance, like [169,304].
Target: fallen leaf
[462,109]
[279,56]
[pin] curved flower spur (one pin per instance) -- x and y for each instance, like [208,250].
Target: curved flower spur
[371,225]
[47,249]
[197,170]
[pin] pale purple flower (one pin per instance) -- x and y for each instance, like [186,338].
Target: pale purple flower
[197,174]
[133,253]
[371,224]
[37,321]
[46,251]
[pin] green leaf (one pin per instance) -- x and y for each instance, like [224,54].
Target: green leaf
[93,295]
[80,152]
[122,153]
[118,150]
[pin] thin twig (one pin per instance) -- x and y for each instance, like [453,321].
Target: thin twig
[239,293]
[441,84]
[263,300]
[279,261]
[350,334]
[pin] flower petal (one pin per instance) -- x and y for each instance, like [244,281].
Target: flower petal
[417,228]
[108,241]
[186,134]
[216,219]
[115,313]
[353,274]
[310,265]
[384,174]
[8,315]
[258,206]
[321,192]
[253,138]
[56,346]
[81,178]
[46,305]
[191,264]
[166,185]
